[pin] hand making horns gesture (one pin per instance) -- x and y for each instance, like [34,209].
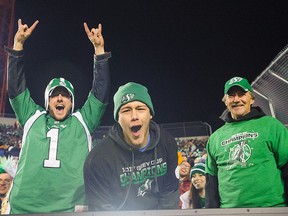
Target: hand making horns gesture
[96,38]
[22,34]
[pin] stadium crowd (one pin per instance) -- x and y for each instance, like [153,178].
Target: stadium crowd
[10,139]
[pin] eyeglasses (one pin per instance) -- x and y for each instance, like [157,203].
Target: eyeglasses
[183,165]
[63,93]
[60,90]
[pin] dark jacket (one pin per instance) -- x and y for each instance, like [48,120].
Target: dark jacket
[17,82]
[119,177]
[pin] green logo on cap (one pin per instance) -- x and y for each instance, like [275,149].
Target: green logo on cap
[127,97]
[235,79]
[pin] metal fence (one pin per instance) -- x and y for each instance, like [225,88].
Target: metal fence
[271,88]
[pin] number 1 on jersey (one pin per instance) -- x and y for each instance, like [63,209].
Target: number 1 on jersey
[52,161]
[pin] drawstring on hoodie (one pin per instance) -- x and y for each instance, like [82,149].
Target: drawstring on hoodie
[155,171]
[130,182]
[131,177]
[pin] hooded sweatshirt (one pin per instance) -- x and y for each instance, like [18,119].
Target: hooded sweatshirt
[120,177]
[245,161]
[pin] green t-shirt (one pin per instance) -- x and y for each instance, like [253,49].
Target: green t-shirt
[202,201]
[246,157]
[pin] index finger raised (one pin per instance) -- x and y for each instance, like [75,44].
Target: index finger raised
[19,22]
[34,25]
[87,30]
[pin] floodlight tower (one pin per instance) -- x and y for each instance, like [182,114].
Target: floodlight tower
[6,31]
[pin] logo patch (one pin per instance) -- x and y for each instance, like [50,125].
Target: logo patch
[62,82]
[235,79]
[127,97]
[239,154]
[142,190]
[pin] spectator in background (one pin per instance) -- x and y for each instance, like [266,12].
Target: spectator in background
[195,196]
[10,136]
[199,160]
[191,145]
[56,139]
[5,183]
[184,177]
[14,152]
[3,149]
[7,173]
[141,159]
[247,158]
[184,156]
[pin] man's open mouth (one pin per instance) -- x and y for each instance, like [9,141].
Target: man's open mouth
[136,128]
[236,105]
[59,107]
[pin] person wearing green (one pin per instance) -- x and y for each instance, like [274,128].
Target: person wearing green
[247,158]
[195,196]
[56,139]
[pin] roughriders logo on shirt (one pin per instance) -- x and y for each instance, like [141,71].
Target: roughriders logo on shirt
[142,190]
[239,154]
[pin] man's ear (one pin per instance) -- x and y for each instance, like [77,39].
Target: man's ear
[225,102]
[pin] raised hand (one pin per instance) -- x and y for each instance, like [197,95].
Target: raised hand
[96,38]
[22,34]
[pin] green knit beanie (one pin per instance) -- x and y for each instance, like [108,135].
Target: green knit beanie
[131,92]
[198,168]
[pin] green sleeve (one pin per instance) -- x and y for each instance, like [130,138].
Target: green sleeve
[279,141]
[24,106]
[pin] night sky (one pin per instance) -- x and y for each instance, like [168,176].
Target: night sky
[183,51]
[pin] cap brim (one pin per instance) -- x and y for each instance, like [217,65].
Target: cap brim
[57,87]
[245,89]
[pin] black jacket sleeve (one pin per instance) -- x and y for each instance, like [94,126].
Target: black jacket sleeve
[98,185]
[212,199]
[284,171]
[15,73]
[101,78]
[169,191]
